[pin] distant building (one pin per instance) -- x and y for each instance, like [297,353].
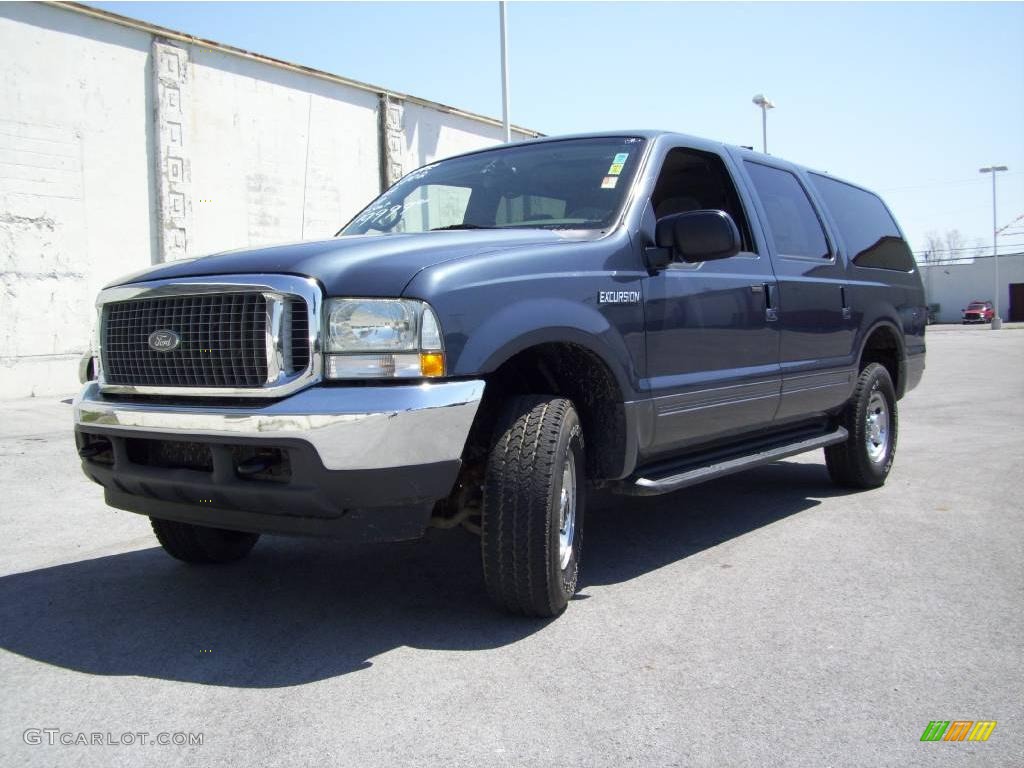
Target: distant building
[952,285]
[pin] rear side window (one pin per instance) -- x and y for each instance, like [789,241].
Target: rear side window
[866,226]
[795,227]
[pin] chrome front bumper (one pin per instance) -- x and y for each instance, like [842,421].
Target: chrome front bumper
[351,428]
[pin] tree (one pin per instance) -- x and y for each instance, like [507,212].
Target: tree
[956,246]
[934,246]
[950,247]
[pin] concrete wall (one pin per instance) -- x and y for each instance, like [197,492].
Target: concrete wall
[953,286]
[76,204]
[430,134]
[123,145]
[276,155]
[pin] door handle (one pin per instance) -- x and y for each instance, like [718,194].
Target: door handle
[771,303]
[847,313]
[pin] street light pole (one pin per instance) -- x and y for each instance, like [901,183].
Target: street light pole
[504,74]
[997,321]
[765,105]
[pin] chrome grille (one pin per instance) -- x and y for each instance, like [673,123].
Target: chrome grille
[239,335]
[299,337]
[223,341]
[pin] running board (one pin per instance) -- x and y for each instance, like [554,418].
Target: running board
[645,486]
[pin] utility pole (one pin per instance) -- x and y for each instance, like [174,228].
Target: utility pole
[928,284]
[504,73]
[765,105]
[997,321]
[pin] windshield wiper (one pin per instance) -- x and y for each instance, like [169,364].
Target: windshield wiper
[579,225]
[463,226]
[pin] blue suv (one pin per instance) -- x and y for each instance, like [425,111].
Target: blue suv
[497,333]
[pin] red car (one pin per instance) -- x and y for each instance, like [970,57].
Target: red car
[978,312]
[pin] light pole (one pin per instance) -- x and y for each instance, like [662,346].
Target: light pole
[504,73]
[765,105]
[997,321]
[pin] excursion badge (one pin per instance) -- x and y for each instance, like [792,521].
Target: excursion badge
[618,297]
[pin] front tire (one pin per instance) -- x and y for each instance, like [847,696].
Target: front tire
[198,544]
[871,418]
[533,507]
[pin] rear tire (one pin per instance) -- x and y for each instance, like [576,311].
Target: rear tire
[865,458]
[198,544]
[533,507]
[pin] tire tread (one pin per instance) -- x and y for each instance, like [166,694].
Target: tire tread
[847,463]
[515,531]
[196,544]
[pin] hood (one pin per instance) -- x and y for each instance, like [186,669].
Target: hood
[355,265]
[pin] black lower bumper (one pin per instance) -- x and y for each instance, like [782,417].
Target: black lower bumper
[209,481]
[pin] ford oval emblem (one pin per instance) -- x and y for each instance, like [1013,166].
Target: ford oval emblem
[164,340]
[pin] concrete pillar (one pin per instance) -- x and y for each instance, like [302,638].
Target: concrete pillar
[172,132]
[392,137]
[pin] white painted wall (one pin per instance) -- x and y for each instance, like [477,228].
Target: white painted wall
[252,127]
[271,154]
[431,135]
[75,194]
[953,286]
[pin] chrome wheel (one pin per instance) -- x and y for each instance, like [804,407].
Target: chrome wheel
[876,432]
[567,511]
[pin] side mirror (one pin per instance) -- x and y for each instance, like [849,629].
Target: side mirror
[698,236]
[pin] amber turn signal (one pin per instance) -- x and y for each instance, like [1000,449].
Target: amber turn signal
[432,363]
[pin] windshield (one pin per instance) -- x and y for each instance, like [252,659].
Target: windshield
[977,305]
[572,184]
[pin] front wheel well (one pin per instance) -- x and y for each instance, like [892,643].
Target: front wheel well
[566,370]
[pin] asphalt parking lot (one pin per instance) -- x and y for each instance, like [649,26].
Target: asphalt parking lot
[764,619]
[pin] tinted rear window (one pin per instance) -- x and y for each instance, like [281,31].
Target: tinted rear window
[866,226]
[794,225]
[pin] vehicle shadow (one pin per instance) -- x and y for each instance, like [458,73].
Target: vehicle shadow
[628,537]
[298,611]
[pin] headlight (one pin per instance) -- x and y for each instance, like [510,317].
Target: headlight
[374,325]
[382,338]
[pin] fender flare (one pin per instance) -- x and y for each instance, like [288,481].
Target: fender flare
[533,322]
[524,324]
[901,349]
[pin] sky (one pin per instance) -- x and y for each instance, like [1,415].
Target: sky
[908,99]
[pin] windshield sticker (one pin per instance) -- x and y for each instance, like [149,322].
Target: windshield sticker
[615,170]
[609,182]
[621,158]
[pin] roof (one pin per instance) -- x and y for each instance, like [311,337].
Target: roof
[695,142]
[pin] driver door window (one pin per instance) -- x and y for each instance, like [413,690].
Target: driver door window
[691,180]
